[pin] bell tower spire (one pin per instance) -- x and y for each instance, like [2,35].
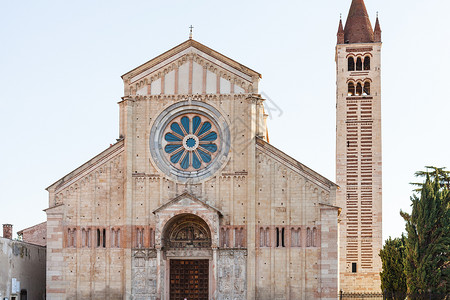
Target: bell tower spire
[377,31]
[358,151]
[358,28]
[340,33]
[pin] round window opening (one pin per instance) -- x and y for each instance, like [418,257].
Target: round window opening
[189,141]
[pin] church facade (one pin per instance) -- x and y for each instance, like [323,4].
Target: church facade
[193,202]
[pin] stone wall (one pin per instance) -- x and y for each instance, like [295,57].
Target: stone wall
[26,264]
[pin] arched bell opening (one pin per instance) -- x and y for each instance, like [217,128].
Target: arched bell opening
[186,231]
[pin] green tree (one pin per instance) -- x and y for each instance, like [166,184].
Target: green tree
[426,260]
[393,279]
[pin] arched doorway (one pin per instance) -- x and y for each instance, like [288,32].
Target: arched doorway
[186,240]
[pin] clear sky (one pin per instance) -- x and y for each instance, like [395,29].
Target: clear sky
[61,63]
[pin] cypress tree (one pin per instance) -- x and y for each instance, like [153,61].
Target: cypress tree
[426,261]
[393,279]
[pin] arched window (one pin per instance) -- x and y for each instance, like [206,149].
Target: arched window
[351,63]
[278,237]
[359,64]
[351,89]
[314,237]
[268,237]
[262,237]
[295,237]
[225,237]
[118,238]
[238,237]
[98,238]
[308,237]
[152,238]
[367,63]
[366,88]
[358,89]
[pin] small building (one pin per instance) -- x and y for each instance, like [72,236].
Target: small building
[22,268]
[36,234]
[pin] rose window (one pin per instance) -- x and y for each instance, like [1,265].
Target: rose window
[190,142]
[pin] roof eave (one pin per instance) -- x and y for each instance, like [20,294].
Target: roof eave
[198,45]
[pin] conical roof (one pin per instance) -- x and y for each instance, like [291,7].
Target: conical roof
[358,28]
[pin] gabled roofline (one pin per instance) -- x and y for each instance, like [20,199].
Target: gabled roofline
[113,148]
[190,196]
[295,163]
[21,231]
[192,43]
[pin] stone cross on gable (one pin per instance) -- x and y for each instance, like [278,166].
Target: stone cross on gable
[190,33]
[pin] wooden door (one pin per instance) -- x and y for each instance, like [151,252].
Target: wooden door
[189,279]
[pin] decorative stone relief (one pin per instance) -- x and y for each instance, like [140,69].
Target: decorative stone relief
[232,274]
[144,274]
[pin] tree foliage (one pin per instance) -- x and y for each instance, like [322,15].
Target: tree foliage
[426,260]
[393,279]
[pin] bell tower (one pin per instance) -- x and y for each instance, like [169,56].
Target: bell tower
[358,150]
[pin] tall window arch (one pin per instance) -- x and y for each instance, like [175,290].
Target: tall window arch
[358,89]
[366,90]
[359,64]
[351,63]
[367,63]
[351,89]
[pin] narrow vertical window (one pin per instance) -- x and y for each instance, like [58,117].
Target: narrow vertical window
[351,63]
[83,238]
[314,237]
[282,237]
[367,63]
[295,242]
[138,241]
[268,244]
[88,237]
[238,237]
[262,237]
[278,237]
[151,232]
[113,238]
[351,89]
[104,238]
[358,89]
[299,234]
[359,64]
[118,238]
[73,237]
[98,238]
[308,237]
[366,88]
[353,267]
[222,238]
